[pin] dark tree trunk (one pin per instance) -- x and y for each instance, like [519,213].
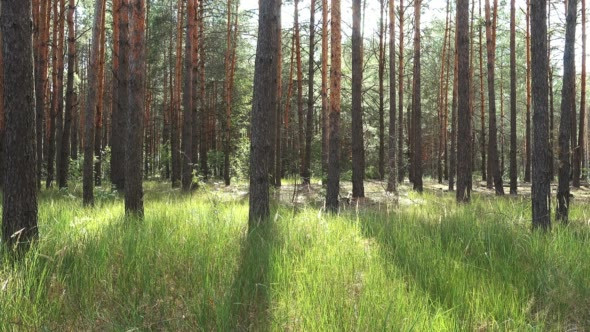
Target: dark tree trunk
[567,109]
[541,190]
[263,107]
[417,102]
[513,164]
[463,112]
[19,206]
[494,170]
[133,169]
[203,149]
[2,120]
[483,145]
[454,113]
[300,143]
[310,98]
[41,81]
[381,73]
[325,101]
[89,113]
[98,122]
[358,151]
[579,149]
[333,187]
[187,101]
[60,95]
[400,110]
[64,157]
[175,135]
[527,139]
[392,164]
[121,104]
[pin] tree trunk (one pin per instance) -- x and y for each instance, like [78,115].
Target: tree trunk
[392,180]
[417,102]
[400,110]
[483,145]
[579,149]
[91,101]
[2,120]
[175,146]
[19,206]
[64,157]
[567,110]
[454,169]
[60,97]
[381,74]
[41,81]
[441,103]
[494,171]
[100,103]
[133,170]
[325,100]
[310,98]
[203,148]
[527,139]
[358,152]
[277,165]
[300,143]
[513,164]
[541,190]
[187,101]
[121,98]
[333,187]
[463,112]
[263,107]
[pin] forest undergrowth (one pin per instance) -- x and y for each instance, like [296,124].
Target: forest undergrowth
[421,262]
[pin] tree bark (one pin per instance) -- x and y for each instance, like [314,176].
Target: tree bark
[400,110]
[310,98]
[187,101]
[19,206]
[325,100]
[483,145]
[579,149]
[358,151]
[513,164]
[263,107]
[100,103]
[300,143]
[381,74]
[333,187]
[64,164]
[392,180]
[463,112]
[133,170]
[417,102]
[567,110]
[175,145]
[527,139]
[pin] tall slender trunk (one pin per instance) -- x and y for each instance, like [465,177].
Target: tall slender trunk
[381,73]
[263,107]
[203,148]
[91,100]
[441,102]
[100,104]
[464,123]
[60,93]
[417,102]
[567,112]
[2,119]
[579,149]
[135,126]
[325,100]
[358,153]
[527,138]
[400,110]
[187,101]
[454,167]
[310,98]
[392,164]
[41,69]
[333,187]
[513,164]
[175,146]
[300,143]
[277,161]
[483,145]
[541,191]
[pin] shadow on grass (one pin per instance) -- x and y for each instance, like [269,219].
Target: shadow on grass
[250,291]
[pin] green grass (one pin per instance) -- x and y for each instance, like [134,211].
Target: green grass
[191,265]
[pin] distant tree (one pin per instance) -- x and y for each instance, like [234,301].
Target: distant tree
[333,187]
[358,150]
[135,126]
[568,105]
[263,106]
[392,164]
[91,100]
[417,102]
[464,122]
[19,206]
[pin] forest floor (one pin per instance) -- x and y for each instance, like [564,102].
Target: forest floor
[415,262]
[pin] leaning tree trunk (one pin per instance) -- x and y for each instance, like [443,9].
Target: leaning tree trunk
[392,164]
[567,110]
[87,180]
[19,206]
[133,169]
[464,161]
[263,107]
[358,151]
[333,187]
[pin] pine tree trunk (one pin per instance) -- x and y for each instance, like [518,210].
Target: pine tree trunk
[60,95]
[300,143]
[358,153]
[91,101]
[579,149]
[263,107]
[175,146]
[2,120]
[400,110]
[417,102]
[325,100]
[19,206]
[392,164]
[464,151]
[381,74]
[187,101]
[527,139]
[567,110]
[41,69]
[203,148]
[277,165]
[100,103]
[454,167]
[333,187]
[121,98]
[310,98]
[513,164]
[64,157]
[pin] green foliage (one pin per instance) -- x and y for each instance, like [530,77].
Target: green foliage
[425,264]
